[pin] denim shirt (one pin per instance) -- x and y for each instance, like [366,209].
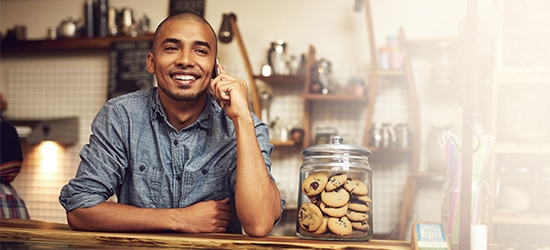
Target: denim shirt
[135,153]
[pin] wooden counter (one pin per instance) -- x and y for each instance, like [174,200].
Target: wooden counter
[32,234]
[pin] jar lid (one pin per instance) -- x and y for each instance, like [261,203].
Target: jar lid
[337,147]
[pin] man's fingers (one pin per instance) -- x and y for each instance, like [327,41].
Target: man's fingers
[221,68]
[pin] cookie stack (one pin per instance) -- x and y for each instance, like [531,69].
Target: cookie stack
[338,205]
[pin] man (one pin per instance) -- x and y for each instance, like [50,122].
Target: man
[176,160]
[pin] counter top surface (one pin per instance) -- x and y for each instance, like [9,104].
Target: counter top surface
[33,234]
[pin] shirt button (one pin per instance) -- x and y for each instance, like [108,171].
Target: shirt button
[178,177]
[176,142]
[141,168]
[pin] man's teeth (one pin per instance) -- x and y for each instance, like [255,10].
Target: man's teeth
[184,77]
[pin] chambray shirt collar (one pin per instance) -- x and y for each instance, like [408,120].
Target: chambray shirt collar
[204,120]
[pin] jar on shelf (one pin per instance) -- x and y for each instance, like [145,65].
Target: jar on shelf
[335,196]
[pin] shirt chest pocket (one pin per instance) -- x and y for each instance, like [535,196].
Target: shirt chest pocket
[213,181]
[144,186]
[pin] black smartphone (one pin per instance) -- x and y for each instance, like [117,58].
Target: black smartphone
[215,69]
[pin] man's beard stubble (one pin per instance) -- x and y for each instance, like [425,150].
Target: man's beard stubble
[186,96]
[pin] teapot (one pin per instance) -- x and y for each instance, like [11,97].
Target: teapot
[321,77]
[69,28]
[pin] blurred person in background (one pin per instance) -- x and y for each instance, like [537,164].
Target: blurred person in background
[11,205]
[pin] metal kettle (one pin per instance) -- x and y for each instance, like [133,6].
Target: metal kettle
[276,58]
[69,28]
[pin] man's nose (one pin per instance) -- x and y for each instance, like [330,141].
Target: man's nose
[185,59]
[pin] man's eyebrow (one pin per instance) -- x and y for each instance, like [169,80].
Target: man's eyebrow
[203,43]
[171,40]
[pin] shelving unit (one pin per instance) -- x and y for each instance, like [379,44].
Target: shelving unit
[519,161]
[520,124]
[399,78]
[65,45]
[311,98]
[282,81]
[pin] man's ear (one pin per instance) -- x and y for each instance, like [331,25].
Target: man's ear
[150,63]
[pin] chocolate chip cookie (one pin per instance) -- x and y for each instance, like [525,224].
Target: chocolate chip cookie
[356,186]
[336,181]
[357,216]
[323,228]
[315,183]
[310,217]
[360,225]
[336,198]
[339,226]
[334,211]
[358,206]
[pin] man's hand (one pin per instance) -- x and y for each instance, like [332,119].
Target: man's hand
[231,94]
[204,217]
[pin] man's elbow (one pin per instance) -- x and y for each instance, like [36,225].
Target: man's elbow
[260,227]
[258,230]
[74,221]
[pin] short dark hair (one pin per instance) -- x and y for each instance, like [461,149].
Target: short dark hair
[186,16]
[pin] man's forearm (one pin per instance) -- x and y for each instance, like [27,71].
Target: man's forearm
[108,216]
[257,197]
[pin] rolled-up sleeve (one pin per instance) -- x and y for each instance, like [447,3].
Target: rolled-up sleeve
[103,162]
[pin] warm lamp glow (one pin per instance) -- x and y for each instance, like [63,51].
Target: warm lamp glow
[49,152]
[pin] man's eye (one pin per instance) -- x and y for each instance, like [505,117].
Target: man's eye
[170,48]
[201,51]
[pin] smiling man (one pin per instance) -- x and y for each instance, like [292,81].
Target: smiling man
[176,160]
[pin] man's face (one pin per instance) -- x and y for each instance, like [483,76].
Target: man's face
[183,58]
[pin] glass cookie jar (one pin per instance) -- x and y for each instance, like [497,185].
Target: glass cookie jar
[335,196]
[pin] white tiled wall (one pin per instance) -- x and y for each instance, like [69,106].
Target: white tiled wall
[50,92]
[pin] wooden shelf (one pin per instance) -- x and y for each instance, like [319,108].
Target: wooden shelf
[390,155]
[297,80]
[382,72]
[291,207]
[430,43]
[288,143]
[390,150]
[522,148]
[432,176]
[65,45]
[502,217]
[334,97]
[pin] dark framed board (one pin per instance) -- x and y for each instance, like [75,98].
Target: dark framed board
[523,35]
[127,67]
[196,6]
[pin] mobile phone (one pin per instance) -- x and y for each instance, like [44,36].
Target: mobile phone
[215,69]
